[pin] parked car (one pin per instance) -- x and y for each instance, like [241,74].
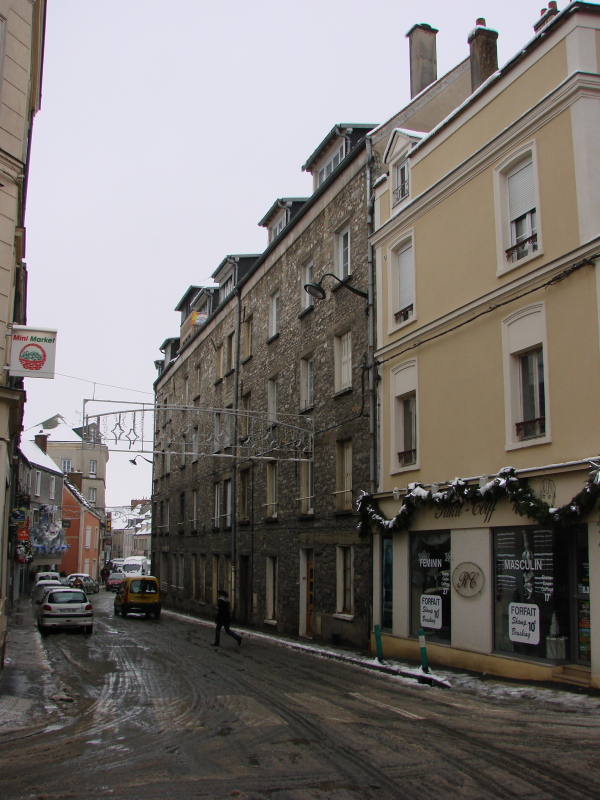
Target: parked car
[48,576]
[41,586]
[114,581]
[88,583]
[65,607]
[138,594]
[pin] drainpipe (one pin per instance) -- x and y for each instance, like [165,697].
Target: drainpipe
[234,466]
[371,368]
[345,132]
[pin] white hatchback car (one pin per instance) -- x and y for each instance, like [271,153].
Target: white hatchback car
[65,607]
[40,588]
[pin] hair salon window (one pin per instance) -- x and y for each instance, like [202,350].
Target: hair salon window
[430,585]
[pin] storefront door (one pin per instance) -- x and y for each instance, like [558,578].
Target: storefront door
[581,598]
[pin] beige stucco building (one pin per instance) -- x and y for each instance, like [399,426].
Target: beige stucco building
[486,247]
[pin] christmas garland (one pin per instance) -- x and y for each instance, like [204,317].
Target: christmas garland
[506,485]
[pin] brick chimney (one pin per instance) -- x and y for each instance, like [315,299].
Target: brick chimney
[423,57]
[76,478]
[484,53]
[41,439]
[546,15]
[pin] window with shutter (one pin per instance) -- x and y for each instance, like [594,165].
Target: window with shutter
[406,283]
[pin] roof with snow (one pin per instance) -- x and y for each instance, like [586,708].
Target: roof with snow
[37,457]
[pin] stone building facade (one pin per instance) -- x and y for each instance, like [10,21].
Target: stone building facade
[263,440]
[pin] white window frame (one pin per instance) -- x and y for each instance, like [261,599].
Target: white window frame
[88,537]
[226,288]
[332,163]
[195,440]
[38,483]
[216,519]
[308,273]
[245,494]
[343,253]
[52,490]
[93,468]
[226,516]
[343,484]
[271,589]
[344,558]
[307,485]
[401,181]
[307,379]
[504,223]
[274,313]
[272,490]
[66,465]
[272,398]
[342,354]
[523,331]
[195,509]
[92,494]
[247,331]
[402,291]
[278,225]
[403,386]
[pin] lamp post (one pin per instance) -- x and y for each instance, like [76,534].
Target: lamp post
[134,460]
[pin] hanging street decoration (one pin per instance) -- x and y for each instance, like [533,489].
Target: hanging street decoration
[506,485]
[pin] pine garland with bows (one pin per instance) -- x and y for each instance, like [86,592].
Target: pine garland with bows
[506,485]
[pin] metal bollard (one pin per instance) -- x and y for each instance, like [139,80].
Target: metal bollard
[424,664]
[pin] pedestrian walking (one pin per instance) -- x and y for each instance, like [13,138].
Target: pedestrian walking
[223,619]
[104,573]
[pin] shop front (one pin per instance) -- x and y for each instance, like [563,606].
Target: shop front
[506,597]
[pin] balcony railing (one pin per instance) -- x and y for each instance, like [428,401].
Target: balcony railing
[407,457]
[521,249]
[404,314]
[400,192]
[531,428]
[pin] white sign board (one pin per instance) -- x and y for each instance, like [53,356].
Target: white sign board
[32,352]
[431,611]
[524,623]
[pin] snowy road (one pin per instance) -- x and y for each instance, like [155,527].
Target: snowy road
[146,709]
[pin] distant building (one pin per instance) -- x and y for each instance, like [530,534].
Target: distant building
[42,541]
[83,532]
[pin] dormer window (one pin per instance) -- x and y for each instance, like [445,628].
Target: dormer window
[226,289]
[330,165]
[277,226]
[401,185]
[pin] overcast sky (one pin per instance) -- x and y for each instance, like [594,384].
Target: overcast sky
[166,132]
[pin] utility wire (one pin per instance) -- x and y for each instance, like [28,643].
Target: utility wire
[109,385]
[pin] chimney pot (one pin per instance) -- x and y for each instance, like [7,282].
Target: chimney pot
[547,15]
[552,5]
[480,22]
[423,57]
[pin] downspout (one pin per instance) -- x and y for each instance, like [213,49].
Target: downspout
[345,132]
[371,369]
[234,466]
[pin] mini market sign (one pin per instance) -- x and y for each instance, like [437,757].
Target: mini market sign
[32,352]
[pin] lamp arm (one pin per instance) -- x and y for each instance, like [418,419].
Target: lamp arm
[347,285]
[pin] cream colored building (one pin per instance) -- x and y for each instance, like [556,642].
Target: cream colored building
[486,247]
[22,24]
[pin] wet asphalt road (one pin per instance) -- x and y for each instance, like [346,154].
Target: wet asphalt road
[148,710]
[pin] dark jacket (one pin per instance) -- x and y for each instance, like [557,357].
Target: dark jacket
[223,613]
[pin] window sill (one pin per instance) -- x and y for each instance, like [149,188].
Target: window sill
[529,442]
[342,392]
[306,409]
[505,266]
[345,512]
[194,531]
[218,381]
[182,466]
[270,622]
[247,359]
[229,372]
[272,338]
[270,520]
[197,397]
[306,517]
[225,528]
[306,311]
[215,529]
[346,617]
[244,522]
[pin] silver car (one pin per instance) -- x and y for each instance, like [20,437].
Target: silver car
[65,607]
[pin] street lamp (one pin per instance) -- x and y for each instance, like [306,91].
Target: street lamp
[317,291]
[134,460]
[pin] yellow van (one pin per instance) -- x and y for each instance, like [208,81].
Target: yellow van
[139,594]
